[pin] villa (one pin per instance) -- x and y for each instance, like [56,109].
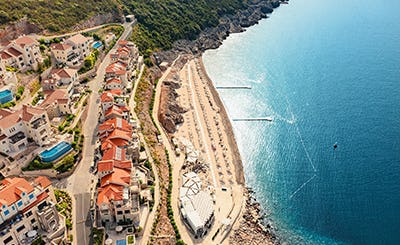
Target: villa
[118,69]
[28,210]
[56,103]
[72,51]
[17,126]
[79,44]
[113,83]
[22,53]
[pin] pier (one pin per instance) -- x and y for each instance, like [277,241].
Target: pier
[233,87]
[269,119]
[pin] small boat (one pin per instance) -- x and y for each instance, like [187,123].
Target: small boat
[269,119]
[335,146]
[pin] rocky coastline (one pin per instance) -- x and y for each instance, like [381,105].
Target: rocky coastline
[211,38]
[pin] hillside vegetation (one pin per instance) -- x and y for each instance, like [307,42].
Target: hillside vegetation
[54,15]
[163,22]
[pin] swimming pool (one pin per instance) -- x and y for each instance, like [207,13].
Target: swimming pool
[121,242]
[5,96]
[55,152]
[97,45]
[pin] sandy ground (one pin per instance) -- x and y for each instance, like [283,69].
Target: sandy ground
[207,127]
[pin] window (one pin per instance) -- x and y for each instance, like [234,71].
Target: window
[6,212]
[19,203]
[119,212]
[33,221]
[12,207]
[31,196]
[20,228]
[8,239]
[28,213]
[127,211]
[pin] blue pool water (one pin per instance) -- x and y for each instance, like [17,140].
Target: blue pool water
[55,152]
[327,71]
[121,242]
[97,45]
[5,96]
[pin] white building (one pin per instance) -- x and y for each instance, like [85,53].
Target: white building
[17,126]
[196,205]
[27,209]
[80,45]
[22,53]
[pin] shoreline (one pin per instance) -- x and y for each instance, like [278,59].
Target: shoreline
[237,159]
[206,123]
[252,208]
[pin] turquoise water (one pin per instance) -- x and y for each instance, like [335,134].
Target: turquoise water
[97,45]
[5,96]
[55,152]
[121,242]
[327,71]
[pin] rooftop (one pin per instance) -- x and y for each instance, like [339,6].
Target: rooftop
[12,189]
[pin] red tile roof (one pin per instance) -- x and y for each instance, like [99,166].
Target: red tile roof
[78,39]
[44,182]
[64,72]
[10,120]
[5,55]
[118,68]
[107,97]
[13,52]
[25,40]
[103,166]
[108,143]
[118,177]
[28,112]
[11,190]
[122,42]
[114,123]
[56,96]
[109,193]
[114,80]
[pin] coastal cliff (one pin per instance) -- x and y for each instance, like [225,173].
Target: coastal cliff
[210,38]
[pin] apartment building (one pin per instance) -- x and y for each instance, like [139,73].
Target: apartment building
[22,53]
[28,210]
[17,126]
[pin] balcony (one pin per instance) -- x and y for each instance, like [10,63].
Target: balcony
[38,123]
[17,137]
[6,225]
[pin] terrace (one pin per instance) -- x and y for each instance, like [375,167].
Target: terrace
[38,123]
[17,137]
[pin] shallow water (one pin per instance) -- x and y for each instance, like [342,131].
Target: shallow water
[327,71]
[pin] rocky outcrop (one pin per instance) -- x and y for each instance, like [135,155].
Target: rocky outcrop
[252,229]
[170,113]
[211,38]
[21,27]
[98,20]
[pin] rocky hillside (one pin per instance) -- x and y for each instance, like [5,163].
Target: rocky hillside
[55,16]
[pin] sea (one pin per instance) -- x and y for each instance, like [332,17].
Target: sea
[328,72]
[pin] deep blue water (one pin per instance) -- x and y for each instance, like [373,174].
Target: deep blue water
[327,71]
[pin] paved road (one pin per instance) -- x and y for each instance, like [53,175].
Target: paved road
[83,218]
[82,182]
[76,32]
